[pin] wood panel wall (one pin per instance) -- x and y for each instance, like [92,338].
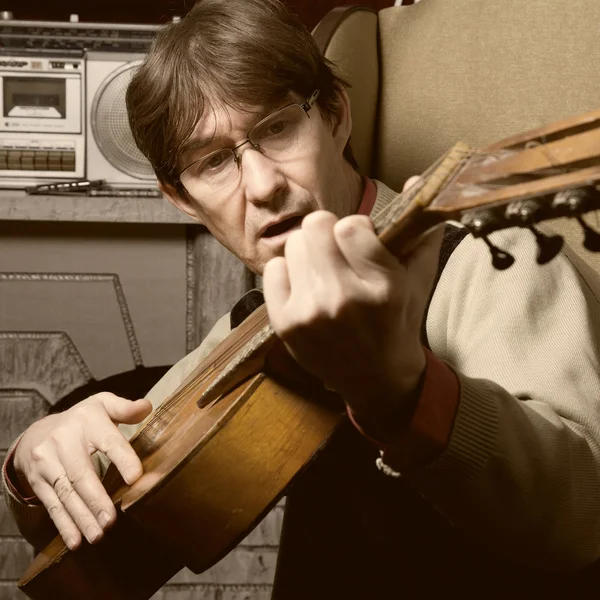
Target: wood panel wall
[140,11]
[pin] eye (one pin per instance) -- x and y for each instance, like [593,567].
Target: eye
[276,127]
[214,161]
[214,164]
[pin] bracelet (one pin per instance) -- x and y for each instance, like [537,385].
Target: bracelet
[386,469]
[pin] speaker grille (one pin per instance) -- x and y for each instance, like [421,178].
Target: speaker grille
[110,126]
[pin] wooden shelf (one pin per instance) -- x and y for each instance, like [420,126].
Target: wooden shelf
[19,206]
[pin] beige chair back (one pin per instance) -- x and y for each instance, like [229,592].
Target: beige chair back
[427,75]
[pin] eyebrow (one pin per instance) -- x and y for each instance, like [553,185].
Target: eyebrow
[199,143]
[196,144]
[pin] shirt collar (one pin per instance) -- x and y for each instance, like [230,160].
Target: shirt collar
[369,197]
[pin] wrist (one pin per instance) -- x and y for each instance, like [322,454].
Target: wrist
[383,425]
[16,478]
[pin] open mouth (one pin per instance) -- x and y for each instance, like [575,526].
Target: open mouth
[282,227]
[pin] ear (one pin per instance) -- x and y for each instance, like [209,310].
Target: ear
[182,202]
[342,126]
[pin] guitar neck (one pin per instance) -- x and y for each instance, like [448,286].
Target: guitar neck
[402,224]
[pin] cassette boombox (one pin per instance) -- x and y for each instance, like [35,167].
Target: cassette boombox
[62,102]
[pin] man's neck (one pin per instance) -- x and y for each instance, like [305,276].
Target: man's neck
[356,188]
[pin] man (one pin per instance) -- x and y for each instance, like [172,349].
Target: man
[247,129]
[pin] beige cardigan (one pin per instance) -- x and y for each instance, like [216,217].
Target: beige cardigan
[526,345]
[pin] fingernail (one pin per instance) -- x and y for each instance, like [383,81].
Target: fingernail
[104,518]
[93,535]
[71,543]
[131,476]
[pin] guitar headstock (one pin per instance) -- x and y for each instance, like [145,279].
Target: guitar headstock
[573,203]
[545,174]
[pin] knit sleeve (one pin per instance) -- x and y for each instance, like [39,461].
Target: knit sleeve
[521,472]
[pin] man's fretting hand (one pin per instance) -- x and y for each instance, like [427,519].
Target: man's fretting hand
[350,312]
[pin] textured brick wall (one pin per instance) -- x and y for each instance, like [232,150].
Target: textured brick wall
[15,554]
[17,411]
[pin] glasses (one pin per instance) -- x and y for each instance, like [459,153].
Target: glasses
[278,136]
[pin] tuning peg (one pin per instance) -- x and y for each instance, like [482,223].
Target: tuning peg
[574,200]
[548,246]
[500,259]
[592,238]
[521,210]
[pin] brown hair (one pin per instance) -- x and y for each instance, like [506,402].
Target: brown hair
[235,53]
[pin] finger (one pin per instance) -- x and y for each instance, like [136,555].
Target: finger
[63,503]
[78,511]
[67,528]
[361,248]
[410,182]
[276,287]
[106,437]
[327,260]
[112,442]
[299,269]
[85,481]
[121,410]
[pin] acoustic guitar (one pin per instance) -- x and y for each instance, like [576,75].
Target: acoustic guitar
[222,450]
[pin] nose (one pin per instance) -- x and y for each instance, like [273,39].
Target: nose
[261,177]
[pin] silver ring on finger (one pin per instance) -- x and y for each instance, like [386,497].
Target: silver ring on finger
[58,479]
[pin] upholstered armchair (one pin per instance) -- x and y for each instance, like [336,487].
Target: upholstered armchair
[427,75]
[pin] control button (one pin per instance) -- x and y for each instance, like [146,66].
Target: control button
[40,160]
[14,160]
[68,161]
[54,161]
[27,160]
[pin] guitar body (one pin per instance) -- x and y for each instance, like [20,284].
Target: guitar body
[226,484]
[127,565]
[210,476]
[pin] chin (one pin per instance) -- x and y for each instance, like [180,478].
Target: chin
[257,266]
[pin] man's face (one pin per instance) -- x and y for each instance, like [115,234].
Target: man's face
[255,218]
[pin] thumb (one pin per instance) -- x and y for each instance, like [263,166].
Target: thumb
[121,410]
[410,182]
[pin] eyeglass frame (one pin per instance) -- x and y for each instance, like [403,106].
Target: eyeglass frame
[305,106]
